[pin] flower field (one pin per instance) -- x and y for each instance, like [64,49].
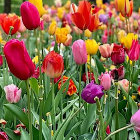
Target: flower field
[70,70]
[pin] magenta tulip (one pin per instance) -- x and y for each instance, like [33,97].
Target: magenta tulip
[79,52]
[18,59]
[134,52]
[30,15]
[12,93]
[135,119]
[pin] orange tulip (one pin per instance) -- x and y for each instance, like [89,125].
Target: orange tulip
[81,15]
[10,20]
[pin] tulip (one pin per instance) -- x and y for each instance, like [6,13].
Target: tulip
[79,52]
[81,15]
[3,136]
[52,28]
[9,21]
[125,7]
[118,54]
[127,40]
[125,84]
[105,80]
[61,34]
[121,34]
[134,52]
[104,39]
[108,130]
[118,74]
[71,89]
[91,91]
[91,46]
[135,119]
[68,41]
[42,25]
[12,93]
[87,33]
[30,15]
[22,28]
[18,59]
[39,6]
[84,78]
[53,65]
[2,16]
[60,12]
[103,18]
[106,50]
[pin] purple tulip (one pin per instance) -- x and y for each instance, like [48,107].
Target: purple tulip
[91,91]
[103,18]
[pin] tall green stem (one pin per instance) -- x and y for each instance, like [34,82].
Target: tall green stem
[53,105]
[80,73]
[99,110]
[29,110]
[117,131]
[116,111]
[90,67]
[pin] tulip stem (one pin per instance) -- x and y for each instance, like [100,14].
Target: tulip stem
[53,105]
[116,111]
[80,72]
[40,118]
[117,131]
[90,67]
[29,110]
[87,80]
[101,125]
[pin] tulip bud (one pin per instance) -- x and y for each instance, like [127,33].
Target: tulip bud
[68,41]
[79,52]
[52,28]
[30,15]
[12,93]
[3,136]
[135,119]
[22,28]
[53,65]
[18,59]
[91,91]
[105,80]
[125,84]
[106,50]
[104,39]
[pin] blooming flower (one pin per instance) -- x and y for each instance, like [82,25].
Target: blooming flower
[71,89]
[52,28]
[91,91]
[3,136]
[125,84]
[84,78]
[12,93]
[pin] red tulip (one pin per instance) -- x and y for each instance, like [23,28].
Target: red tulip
[118,54]
[30,15]
[81,15]
[53,64]
[18,59]
[8,21]
[84,78]
[134,52]
[2,17]
[3,136]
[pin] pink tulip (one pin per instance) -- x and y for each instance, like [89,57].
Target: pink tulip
[42,25]
[105,81]
[135,119]
[22,28]
[125,84]
[1,60]
[79,52]
[68,41]
[106,50]
[134,52]
[30,15]
[12,93]
[104,39]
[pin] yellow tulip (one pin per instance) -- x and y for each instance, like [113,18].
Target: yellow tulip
[135,23]
[39,6]
[88,33]
[121,17]
[52,28]
[120,35]
[60,12]
[99,3]
[35,59]
[61,34]
[91,46]
[134,97]
[127,40]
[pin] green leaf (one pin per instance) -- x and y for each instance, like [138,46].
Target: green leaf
[87,136]
[11,134]
[89,119]
[24,135]
[34,85]
[72,130]
[99,65]
[18,113]
[45,130]
[10,81]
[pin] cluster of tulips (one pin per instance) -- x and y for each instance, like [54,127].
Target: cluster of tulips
[70,72]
